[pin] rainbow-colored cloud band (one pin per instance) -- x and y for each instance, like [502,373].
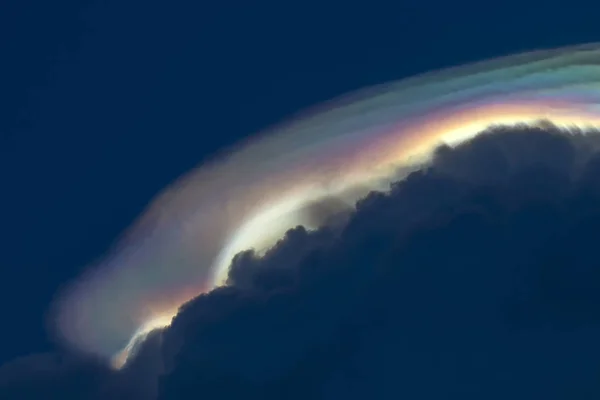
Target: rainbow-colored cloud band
[249,197]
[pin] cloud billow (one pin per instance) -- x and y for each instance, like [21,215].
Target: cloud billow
[475,277]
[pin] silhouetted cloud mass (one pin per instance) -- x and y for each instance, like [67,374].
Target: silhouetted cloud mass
[476,277]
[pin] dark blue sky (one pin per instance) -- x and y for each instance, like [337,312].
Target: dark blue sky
[105,102]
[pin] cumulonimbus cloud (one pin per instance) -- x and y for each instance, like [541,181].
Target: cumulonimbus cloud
[474,277]
[250,196]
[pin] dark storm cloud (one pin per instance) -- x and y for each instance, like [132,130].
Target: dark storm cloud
[477,277]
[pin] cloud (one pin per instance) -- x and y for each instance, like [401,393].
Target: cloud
[476,277]
[248,195]
[473,277]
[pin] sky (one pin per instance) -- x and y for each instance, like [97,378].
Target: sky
[105,103]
